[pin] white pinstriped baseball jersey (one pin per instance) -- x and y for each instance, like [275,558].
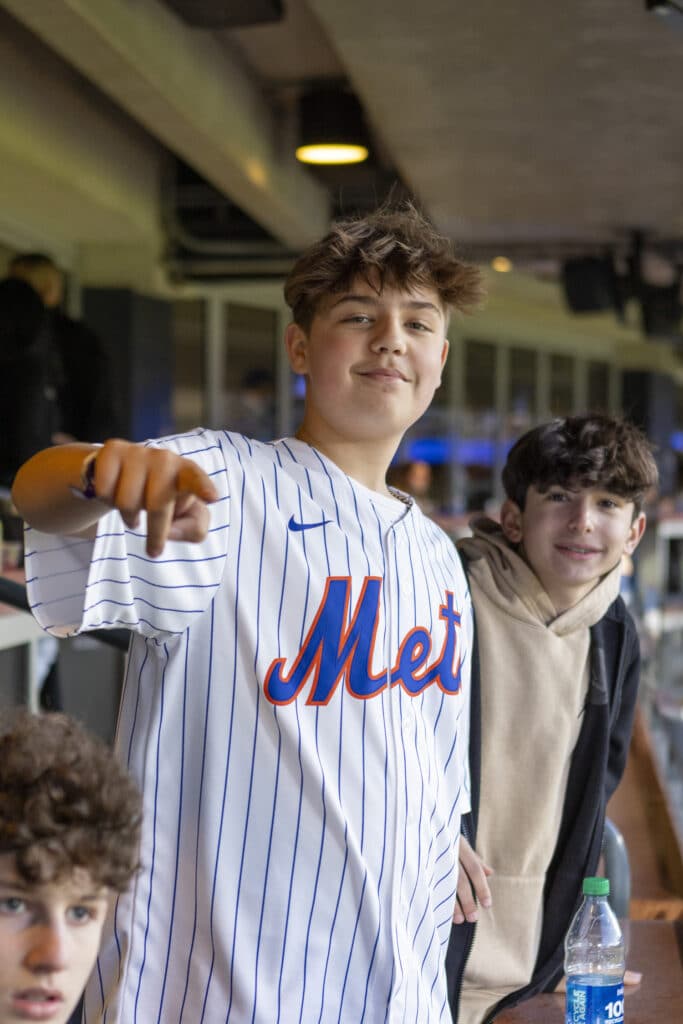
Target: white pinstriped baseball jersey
[295,709]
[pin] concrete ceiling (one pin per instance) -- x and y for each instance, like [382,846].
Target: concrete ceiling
[519,124]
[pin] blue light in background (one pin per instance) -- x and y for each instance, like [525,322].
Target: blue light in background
[480,451]
[429,449]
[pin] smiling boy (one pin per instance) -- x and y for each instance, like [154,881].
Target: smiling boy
[69,832]
[296,699]
[553,698]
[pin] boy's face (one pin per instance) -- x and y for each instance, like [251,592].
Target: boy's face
[372,362]
[571,538]
[49,938]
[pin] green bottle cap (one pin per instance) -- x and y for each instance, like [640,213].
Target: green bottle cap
[596,886]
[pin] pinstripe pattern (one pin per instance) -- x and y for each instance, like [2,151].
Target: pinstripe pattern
[299,854]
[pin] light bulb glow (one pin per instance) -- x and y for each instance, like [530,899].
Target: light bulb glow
[332,153]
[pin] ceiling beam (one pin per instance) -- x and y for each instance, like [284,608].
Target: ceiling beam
[72,168]
[185,89]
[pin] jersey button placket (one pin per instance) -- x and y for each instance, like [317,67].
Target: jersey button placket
[405,575]
[396,703]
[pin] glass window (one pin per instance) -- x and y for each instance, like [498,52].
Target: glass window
[598,387]
[480,376]
[475,448]
[522,395]
[561,385]
[187,326]
[249,374]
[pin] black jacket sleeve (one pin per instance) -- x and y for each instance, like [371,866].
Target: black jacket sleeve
[623,708]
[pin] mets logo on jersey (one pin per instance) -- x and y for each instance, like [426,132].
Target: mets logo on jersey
[341,647]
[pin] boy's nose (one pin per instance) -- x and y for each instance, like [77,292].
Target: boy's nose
[389,337]
[48,950]
[581,518]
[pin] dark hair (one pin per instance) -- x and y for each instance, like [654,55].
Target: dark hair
[393,245]
[65,802]
[582,451]
[32,261]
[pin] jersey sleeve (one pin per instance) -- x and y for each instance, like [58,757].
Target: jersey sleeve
[77,585]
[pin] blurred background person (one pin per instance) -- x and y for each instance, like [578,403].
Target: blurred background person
[30,376]
[251,410]
[55,386]
[414,477]
[86,402]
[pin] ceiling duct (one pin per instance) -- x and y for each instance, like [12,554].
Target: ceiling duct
[208,238]
[217,14]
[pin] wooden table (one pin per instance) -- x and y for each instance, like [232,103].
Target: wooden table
[656,949]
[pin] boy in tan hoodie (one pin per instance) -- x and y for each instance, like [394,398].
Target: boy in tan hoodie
[553,697]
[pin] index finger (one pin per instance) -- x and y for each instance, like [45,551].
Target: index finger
[158,524]
[192,479]
[161,499]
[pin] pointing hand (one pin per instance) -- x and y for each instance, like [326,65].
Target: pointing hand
[171,489]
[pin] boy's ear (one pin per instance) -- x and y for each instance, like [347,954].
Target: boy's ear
[511,521]
[636,531]
[444,352]
[296,343]
[444,357]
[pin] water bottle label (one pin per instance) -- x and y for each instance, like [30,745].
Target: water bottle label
[594,1004]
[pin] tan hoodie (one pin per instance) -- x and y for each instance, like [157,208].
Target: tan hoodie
[534,681]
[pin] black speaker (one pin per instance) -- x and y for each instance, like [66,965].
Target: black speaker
[661,310]
[589,284]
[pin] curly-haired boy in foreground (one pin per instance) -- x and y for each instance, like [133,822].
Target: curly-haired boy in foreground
[69,834]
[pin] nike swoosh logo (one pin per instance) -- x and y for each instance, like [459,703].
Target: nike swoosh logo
[297,527]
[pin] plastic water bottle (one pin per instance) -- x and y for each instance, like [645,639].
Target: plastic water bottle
[594,960]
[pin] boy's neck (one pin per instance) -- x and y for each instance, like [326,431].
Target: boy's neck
[366,462]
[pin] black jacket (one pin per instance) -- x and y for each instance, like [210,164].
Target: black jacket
[88,406]
[596,767]
[30,377]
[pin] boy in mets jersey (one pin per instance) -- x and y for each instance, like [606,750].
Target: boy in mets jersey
[296,697]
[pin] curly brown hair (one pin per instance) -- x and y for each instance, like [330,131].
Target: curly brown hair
[393,245]
[582,451]
[65,802]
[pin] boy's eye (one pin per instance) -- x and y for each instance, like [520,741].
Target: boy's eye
[81,914]
[357,318]
[12,905]
[418,325]
[557,496]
